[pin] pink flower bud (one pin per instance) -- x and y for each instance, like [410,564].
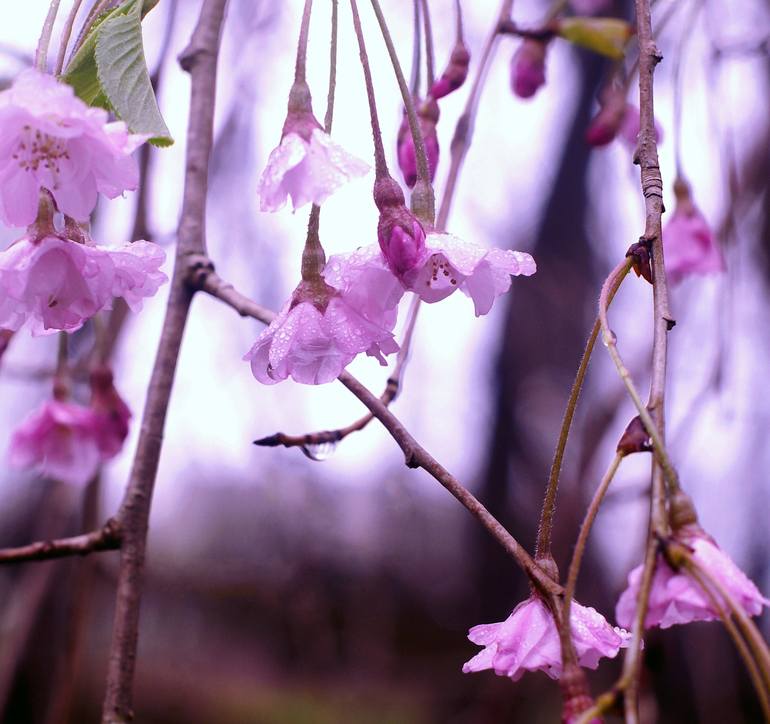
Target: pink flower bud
[689,244]
[399,233]
[528,68]
[591,7]
[607,122]
[455,74]
[113,414]
[427,114]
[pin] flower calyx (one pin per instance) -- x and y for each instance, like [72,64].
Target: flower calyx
[299,117]
[315,291]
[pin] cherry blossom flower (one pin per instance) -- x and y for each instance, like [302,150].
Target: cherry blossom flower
[320,330]
[427,115]
[58,284]
[455,73]
[689,243]
[528,68]
[528,640]
[482,274]
[676,598]
[51,139]
[307,165]
[617,119]
[58,440]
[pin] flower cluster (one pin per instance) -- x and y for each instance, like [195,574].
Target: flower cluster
[57,154]
[67,441]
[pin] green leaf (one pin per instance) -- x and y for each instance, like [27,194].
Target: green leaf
[607,36]
[110,70]
[122,74]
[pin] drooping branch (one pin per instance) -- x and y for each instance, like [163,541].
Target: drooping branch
[200,60]
[414,454]
[106,538]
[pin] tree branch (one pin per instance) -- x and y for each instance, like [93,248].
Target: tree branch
[106,538]
[200,60]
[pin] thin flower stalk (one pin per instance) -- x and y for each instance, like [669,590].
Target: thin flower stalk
[430,60]
[65,36]
[41,53]
[304,34]
[423,187]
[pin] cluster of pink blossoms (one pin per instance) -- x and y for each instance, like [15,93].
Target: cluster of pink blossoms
[352,307]
[57,155]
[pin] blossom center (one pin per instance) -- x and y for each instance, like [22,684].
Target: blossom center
[441,272]
[36,150]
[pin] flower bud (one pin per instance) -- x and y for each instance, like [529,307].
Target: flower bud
[455,74]
[427,116]
[604,126]
[399,233]
[591,7]
[528,68]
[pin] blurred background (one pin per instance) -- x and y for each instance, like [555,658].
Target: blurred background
[285,590]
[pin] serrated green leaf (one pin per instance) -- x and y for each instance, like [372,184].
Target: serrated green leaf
[109,70]
[121,70]
[607,36]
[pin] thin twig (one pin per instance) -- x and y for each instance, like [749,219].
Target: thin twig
[652,191]
[106,538]
[200,60]
[309,441]
[414,83]
[415,455]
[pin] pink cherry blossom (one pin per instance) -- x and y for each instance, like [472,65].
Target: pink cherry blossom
[677,598]
[528,68]
[481,274]
[528,640]
[689,244]
[51,139]
[317,334]
[308,170]
[407,155]
[58,284]
[58,440]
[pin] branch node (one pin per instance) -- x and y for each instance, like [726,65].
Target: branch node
[199,266]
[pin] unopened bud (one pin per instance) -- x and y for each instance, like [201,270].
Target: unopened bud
[399,233]
[455,74]
[634,439]
[528,68]
[427,116]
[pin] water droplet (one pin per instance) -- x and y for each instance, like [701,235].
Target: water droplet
[319,453]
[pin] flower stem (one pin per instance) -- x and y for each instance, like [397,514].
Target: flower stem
[304,33]
[463,134]
[416,50]
[41,53]
[687,28]
[459,22]
[65,36]
[610,341]
[543,547]
[313,255]
[380,164]
[585,529]
[423,173]
[430,60]
[329,117]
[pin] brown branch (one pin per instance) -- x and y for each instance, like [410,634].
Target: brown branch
[652,190]
[106,538]
[415,455]
[200,60]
